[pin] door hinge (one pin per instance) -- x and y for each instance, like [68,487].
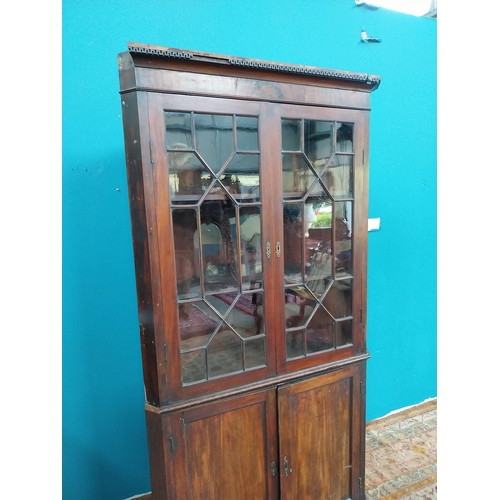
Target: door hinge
[273,468]
[151,153]
[165,353]
[360,480]
[362,388]
[286,467]
[363,158]
[361,315]
[171,441]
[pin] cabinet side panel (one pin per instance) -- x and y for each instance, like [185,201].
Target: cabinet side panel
[135,178]
[361,228]
[156,450]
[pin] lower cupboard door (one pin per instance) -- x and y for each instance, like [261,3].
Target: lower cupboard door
[320,437]
[226,450]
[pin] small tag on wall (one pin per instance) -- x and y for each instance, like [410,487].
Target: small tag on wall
[374,224]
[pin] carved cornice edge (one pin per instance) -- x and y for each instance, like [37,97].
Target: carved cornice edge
[371,80]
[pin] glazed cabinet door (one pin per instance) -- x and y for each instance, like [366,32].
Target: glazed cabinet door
[323,225]
[224,450]
[322,437]
[212,221]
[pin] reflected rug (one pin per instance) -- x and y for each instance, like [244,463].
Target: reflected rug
[244,303]
[194,322]
[401,457]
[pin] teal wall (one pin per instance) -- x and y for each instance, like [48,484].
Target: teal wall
[104,435]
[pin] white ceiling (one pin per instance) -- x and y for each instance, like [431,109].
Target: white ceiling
[413,7]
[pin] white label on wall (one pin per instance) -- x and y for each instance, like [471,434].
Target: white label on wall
[374,224]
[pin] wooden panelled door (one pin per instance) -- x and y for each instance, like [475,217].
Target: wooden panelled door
[227,450]
[320,455]
[298,441]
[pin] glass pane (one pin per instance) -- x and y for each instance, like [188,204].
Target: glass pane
[343,234]
[338,177]
[344,137]
[247,137]
[242,314]
[318,142]
[318,241]
[319,272]
[221,301]
[299,305]
[344,332]
[214,139]
[292,241]
[298,176]
[194,366]
[218,265]
[295,344]
[320,332]
[255,353]
[251,248]
[186,262]
[242,175]
[196,323]
[338,300]
[178,130]
[188,177]
[225,353]
[290,135]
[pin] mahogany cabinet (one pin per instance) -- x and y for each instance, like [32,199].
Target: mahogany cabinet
[248,185]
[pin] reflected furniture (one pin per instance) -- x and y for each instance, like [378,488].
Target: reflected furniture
[248,184]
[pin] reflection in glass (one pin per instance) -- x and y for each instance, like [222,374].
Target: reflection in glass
[343,234]
[241,317]
[247,138]
[317,170]
[214,177]
[291,135]
[194,366]
[344,142]
[294,344]
[299,305]
[297,175]
[186,264]
[214,139]
[188,177]
[196,323]
[338,300]
[319,274]
[178,130]
[219,268]
[318,142]
[242,175]
[225,354]
[338,177]
[320,332]
[344,332]
[319,268]
[255,352]
[292,240]
[251,247]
